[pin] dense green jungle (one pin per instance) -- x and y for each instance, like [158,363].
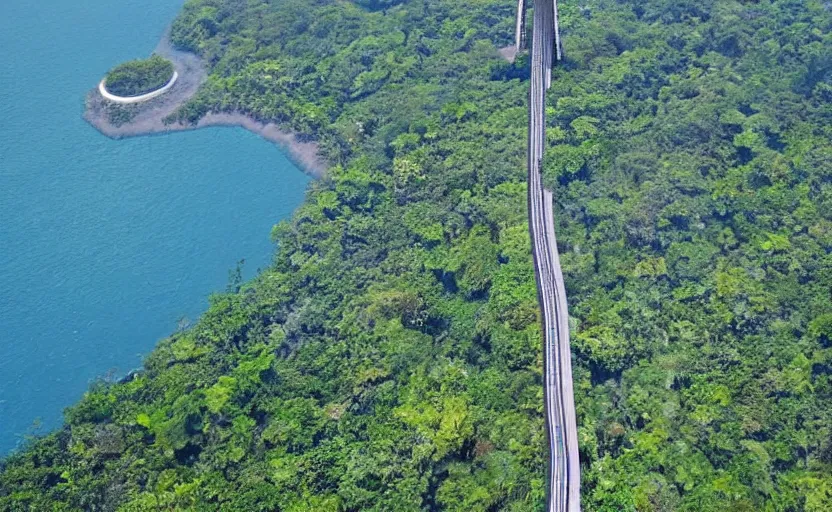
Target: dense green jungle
[390,358]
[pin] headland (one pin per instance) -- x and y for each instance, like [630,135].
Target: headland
[120,120]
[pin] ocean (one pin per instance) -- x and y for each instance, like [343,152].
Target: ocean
[106,244]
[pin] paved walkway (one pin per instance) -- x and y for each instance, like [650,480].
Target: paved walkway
[136,99]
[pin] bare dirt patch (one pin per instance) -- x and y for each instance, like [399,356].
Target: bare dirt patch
[509,53]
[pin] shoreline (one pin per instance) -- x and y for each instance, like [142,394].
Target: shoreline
[147,118]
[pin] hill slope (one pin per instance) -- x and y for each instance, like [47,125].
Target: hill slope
[390,358]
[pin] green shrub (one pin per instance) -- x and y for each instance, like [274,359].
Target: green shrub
[138,77]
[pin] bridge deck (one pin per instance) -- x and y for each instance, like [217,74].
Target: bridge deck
[561,424]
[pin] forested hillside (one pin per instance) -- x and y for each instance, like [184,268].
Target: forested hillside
[390,358]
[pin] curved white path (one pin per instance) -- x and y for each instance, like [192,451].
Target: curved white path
[136,99]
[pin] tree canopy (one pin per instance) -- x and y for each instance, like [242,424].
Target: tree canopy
[137,77]
[389,359]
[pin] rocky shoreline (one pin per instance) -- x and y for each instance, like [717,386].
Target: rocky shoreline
[148,118]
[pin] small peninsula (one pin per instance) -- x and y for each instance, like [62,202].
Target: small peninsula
[165,83]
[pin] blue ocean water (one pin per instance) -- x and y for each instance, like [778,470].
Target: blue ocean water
[105,245]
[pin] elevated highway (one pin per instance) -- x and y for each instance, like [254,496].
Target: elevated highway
[561,424]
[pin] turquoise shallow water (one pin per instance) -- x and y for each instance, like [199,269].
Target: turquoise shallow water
[105,244]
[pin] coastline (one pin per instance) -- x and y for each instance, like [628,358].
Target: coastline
[148,118]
